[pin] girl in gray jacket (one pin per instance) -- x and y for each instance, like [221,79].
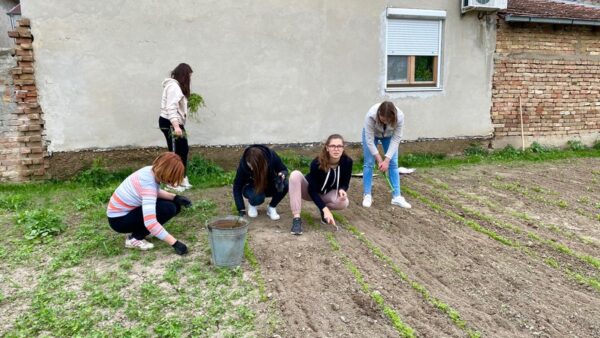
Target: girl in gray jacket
[383,124]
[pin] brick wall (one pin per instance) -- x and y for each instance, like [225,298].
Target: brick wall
[23,154]
[555,71]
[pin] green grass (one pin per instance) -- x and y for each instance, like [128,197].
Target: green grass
[81,281]
[475,154]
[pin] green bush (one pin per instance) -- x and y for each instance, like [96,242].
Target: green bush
[508,153]
[40,223]
[575,145]
[596,145]
[537,148]
[475,149]
[295,162]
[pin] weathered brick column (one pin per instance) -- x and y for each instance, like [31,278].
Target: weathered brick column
[23,156]
[555,71]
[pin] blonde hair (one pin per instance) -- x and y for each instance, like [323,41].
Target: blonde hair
[168,168]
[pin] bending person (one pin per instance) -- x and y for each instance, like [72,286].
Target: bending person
[260,174]
[326,184]
[140,208]
[383,124]
[173,115]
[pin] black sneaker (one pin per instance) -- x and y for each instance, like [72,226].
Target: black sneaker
[296,226]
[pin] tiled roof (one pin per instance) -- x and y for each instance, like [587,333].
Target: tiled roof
[558,9]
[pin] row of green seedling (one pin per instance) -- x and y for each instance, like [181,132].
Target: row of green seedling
[539,195]
[402,328]
[590,281]
[517,214]
[446,309]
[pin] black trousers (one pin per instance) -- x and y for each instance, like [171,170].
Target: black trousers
[133,222]
[180,143]
[258,199]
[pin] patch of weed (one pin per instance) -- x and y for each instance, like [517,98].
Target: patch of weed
[475,149]
[205,173]
[12,202]
[40,224]
[295,162]
[98,176]
[576,145]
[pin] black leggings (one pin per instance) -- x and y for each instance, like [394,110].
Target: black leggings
[181,143]
[133,222]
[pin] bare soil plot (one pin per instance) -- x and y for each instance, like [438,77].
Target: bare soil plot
[512,250]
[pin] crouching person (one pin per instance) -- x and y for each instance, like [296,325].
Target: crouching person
[326,183]
[140,208]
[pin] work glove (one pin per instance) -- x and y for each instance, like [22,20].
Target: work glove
[180,248]
[182,201]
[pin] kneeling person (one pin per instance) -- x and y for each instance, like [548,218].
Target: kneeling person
[139,207]
[326,183]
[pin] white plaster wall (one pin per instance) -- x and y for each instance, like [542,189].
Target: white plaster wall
[270,71]
[5,26]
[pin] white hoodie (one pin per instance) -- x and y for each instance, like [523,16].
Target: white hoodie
[173,106]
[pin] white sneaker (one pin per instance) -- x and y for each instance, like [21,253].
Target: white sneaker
[401,202]
[175,188]
[367,200]
[272,213]
[252,212]
[186,183]
[405,171]
[142,244]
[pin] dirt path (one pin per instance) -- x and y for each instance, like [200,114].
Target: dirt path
[500,290]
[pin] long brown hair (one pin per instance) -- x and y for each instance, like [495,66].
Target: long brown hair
[257,161]
[388,111]
[182,74]
[324,155]
[168,168]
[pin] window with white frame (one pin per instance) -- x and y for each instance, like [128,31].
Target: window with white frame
[413,48]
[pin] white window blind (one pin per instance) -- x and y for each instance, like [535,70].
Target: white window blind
[413,37]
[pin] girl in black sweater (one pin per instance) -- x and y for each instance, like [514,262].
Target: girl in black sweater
[326,183]
[260,174]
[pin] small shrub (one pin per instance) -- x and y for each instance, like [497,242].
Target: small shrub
[596,145]
[508,153]
[575,145]
[40,223]
[475,149]
[538,148]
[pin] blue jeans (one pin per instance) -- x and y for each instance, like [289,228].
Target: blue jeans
[369,163]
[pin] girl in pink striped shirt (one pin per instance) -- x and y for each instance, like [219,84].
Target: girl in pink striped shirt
[139,207]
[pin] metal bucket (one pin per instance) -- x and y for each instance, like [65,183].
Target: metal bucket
[227,236]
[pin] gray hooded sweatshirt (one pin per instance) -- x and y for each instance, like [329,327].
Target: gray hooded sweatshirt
[375,129]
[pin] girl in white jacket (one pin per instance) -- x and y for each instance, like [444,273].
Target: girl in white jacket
[173,114]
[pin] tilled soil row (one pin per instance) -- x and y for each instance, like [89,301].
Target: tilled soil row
[480,181]
[496,289]
[541,246]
